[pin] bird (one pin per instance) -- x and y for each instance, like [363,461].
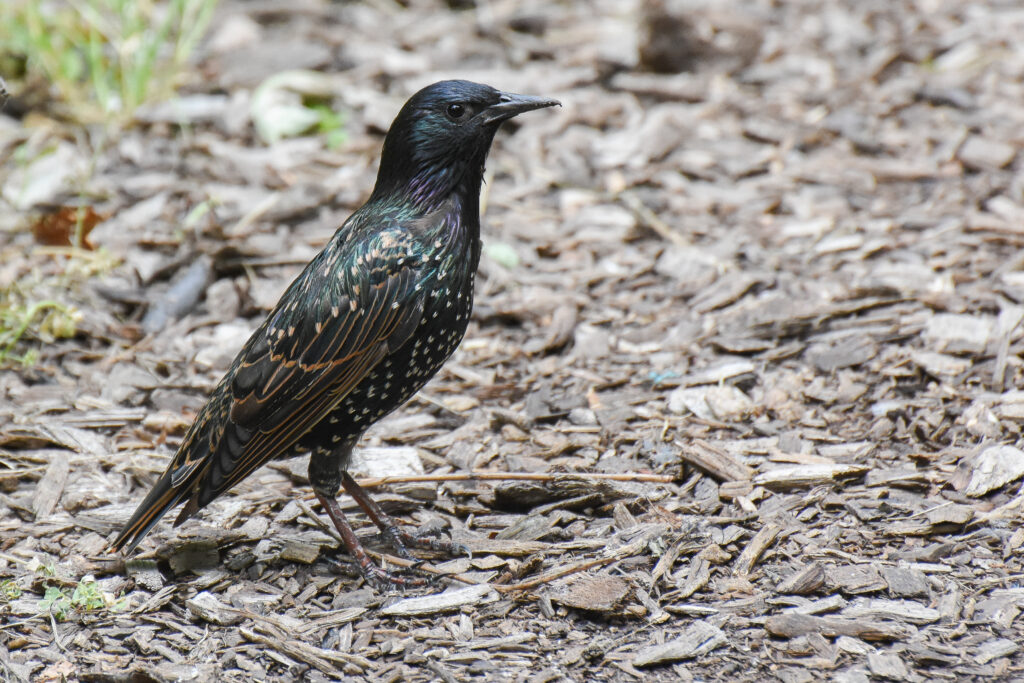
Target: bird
[363,327]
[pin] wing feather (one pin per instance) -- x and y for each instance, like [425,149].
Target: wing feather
[299,365]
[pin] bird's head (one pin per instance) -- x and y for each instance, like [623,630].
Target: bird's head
[440,139]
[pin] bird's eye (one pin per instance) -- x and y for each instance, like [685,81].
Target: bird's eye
[455,111]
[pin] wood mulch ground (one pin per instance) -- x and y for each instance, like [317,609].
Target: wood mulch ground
[767,256]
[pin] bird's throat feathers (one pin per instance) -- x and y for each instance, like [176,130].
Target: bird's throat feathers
[422,166]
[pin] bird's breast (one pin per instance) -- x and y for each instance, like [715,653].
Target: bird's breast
[448,303]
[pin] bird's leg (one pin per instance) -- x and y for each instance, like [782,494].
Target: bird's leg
[369,570]
[325,474]
[398,536]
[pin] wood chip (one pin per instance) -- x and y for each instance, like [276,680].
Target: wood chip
[855,579]
[997,647]
[295,550]
[808,580]
[994,467]
[902,610]
[715,461]
[590,592]
[803,476]
[906,582]
[386,462]
[207,607]
[981,152]
[50,487]
[794,625]
[698,639]
[442,602]
[758,544]
[887,665]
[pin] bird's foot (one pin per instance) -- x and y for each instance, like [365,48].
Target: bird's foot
[370,571]
[428,539]
[377,576]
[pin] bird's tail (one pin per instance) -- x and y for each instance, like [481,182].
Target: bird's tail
[162,498]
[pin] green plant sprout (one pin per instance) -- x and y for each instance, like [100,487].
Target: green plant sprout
[106,57]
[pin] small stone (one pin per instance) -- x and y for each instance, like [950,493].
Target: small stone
[982,153]
[582,417]
[728,402]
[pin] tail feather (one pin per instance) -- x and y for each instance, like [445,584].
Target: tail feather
[160,500]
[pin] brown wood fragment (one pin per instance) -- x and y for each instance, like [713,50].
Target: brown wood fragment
[950,514]
[730,490]
[294,550]
[181,297]
[994,467]
[887,665]
[207,607]
[794,625]
[804,476]
[855,579]
[560,331]
[997,647]
[808,580]
[319,658]
[716,462]
[441,602]
[596,593]
[901,610]
[519,476]
[50,488]
[906,582]
[697,578]
[553,574]
[699,638]
[666,561]
[758,544]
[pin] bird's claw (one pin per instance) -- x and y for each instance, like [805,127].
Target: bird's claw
[431,539]
[378,576]
[393,537]
[382,578]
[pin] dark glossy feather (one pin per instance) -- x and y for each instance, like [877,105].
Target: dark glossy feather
[336,321]
[366,323]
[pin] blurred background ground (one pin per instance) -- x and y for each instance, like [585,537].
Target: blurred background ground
[769,250]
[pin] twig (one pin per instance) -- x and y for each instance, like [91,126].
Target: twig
[56,634]
[373,482]
[420,566]
[323,526]
[555,574]
[652,221]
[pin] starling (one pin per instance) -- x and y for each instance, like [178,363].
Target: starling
[361,329]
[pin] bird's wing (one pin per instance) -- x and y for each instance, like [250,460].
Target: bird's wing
[312,351]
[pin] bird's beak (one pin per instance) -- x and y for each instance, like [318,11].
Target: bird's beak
[510,104]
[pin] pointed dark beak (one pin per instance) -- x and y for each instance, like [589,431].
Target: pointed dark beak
[512,104]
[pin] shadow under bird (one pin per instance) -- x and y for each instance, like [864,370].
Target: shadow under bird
[367,323]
